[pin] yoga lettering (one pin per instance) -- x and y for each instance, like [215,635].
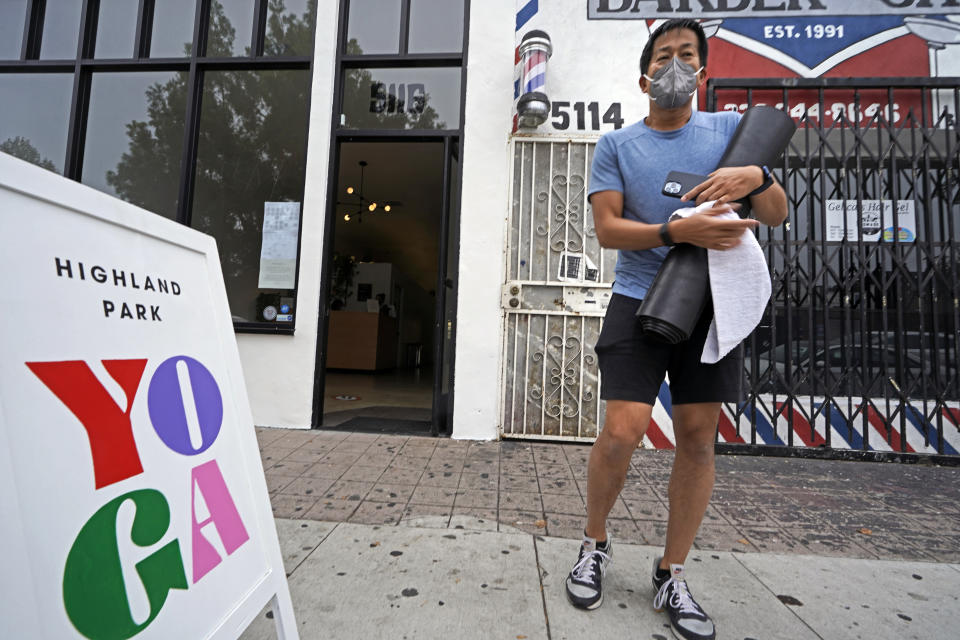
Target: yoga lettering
[186,412]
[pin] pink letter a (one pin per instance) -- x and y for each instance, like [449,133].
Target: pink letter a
[208,480]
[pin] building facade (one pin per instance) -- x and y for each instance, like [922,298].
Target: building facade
[398,245]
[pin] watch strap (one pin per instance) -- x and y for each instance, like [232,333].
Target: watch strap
[767,181]
[665,235]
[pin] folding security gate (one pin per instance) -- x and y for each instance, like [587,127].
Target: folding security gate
[858,350]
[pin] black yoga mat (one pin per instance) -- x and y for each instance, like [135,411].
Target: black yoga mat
[679,291]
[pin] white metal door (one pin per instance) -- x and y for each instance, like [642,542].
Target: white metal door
[557,287]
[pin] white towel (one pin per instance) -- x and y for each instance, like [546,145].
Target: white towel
[740,288]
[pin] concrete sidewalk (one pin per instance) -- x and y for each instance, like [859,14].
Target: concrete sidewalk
[371,581]
[390,536]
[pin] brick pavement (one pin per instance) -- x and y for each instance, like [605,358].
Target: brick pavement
[804,506]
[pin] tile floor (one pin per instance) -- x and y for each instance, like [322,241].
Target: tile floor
[833,508]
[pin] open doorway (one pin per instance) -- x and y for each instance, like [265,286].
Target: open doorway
[380,370]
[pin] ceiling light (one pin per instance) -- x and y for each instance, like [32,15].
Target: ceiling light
[359,201]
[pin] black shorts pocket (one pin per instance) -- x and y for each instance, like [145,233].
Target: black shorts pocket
[620,325]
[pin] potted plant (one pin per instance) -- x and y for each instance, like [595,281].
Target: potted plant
[341,280]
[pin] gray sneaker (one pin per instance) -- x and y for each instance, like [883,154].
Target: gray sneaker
[687,620]
[585,582]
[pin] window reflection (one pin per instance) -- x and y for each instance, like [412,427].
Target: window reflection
[231,27]
[35,117]
[61,29]
[135,137]
[373,26]
[116,29]
[436,26]
[290,28]
[252,150]
[13,16]
[406,98]
[172,28]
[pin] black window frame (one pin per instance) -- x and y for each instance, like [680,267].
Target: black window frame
[84,65]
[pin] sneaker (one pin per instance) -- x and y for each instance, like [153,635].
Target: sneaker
[687,619]
[584,584]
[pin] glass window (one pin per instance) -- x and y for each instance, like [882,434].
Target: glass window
[436,26]
[35,117]
[251,151]
[404,98]
[172,28]
[373,26]
[13,17]
[61,30]
[116,29]
[290,28]
[135,137]
[231,27]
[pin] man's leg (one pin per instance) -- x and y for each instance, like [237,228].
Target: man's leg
[691,482]
[623,428]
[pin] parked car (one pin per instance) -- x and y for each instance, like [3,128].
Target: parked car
[852,369]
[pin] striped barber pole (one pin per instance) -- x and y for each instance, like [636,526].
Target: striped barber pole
[839,424]
[535,72]
[527,13]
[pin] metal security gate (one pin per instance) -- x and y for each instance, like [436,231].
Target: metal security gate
[857,354]
[556,291]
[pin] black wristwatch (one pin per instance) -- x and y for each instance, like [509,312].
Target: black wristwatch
[665,235]
[767,181]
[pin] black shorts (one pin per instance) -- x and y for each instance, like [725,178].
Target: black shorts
[632,365]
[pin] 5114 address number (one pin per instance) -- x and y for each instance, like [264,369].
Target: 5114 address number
[563,115]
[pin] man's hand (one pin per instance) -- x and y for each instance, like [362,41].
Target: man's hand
[726,184]
[707,230]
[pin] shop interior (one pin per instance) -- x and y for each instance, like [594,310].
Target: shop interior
[379,372]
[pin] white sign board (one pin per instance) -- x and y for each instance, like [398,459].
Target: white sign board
[278,249]
[878,220]
[132,496]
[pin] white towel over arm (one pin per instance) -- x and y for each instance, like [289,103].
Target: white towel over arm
[740,288]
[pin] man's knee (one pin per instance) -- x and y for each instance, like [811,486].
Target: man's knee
[695,428]
[624,426]
[699,452]
[619,438]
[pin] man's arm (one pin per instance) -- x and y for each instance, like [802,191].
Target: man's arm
[704,229]
[616,232]
[732,183]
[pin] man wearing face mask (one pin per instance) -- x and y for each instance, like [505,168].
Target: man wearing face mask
[630,214]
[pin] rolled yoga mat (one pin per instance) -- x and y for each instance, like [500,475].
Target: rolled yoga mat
[678,293]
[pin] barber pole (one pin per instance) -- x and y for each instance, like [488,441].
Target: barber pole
[533,107]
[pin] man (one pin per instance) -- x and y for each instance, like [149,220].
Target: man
[630,214]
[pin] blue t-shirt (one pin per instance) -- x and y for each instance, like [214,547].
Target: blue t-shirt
[635,161]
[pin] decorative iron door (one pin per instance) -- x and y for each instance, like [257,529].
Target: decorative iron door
[556,291]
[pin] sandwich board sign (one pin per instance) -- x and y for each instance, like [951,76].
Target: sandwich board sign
[132,497]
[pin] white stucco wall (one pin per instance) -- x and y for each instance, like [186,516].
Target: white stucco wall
[279,370]
[484,205]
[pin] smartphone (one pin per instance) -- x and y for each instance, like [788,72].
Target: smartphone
[679,183]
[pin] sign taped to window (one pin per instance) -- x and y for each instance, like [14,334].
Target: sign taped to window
[278,250]
[878,220]
[577,267]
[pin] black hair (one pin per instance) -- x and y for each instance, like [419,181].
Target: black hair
[670,25]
